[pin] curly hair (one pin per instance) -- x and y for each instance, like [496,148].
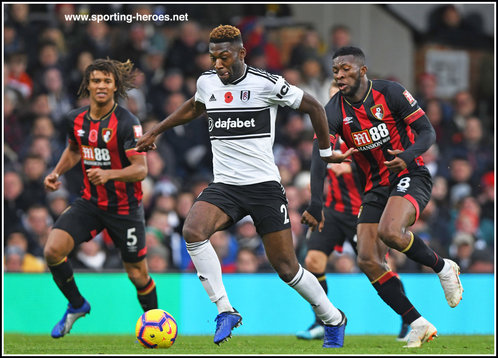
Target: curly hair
[225,33]
[122,72]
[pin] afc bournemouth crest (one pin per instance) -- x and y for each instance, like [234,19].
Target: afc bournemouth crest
[245,95]
[106,134]
[378,111]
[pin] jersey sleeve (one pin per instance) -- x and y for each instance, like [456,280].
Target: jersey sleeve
[402,102]
[200,93]
[131,131]
[334,118]
[66,119]
[285,94]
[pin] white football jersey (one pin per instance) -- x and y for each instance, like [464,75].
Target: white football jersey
[242,123]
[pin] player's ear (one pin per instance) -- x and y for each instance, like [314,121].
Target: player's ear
[363,70]
[242,53]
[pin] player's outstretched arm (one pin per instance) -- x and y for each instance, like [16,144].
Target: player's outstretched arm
[69,158]
[184,114]
[318,119]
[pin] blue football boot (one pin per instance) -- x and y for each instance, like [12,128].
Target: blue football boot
[334,335]
[225,322]
[66,323]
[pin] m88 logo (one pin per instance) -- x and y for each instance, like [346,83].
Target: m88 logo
[369,136]
[95,154]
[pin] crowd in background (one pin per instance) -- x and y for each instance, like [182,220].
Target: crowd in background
[44,59]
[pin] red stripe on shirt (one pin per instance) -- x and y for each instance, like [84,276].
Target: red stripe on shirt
[120,186]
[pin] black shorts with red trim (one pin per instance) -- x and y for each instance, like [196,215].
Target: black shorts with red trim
[265,202]
[416,187]
[83,221]
[338,227]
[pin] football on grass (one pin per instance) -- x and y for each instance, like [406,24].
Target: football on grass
[156,329]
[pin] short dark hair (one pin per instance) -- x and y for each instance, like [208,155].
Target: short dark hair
[122,72]
[350,50]
[225,33]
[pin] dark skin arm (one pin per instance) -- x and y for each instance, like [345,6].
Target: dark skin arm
[70,157]
[319,121]
[187,112]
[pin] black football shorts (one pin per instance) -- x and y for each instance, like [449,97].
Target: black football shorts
[415,187]
[83,221]
[265,202]
[338,227]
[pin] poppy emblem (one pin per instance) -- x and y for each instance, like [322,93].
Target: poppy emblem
[92,137]
[228,97]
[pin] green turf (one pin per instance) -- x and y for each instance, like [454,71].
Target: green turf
[244,345]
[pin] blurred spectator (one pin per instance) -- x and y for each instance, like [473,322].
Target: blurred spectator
[448,26]
[17,258]
[309,46]
[83,59]
[343,263]
[153,63]
[226,248]
[58,201]
[482,261]
[247,261]
[133,46]
[18,78]
[314,80]
[339,36]
[248,238]
[487,202]
[465,106]
[461,250]
[48,57]
[25,29]
[185,48]
[90,255]
[14,130]
[172,82]
[157,259]
[59,100]
[445,127]
[460,181]
[36,223]
[475,148]
[34,169]
[97,40]
[261,51]
[431,160]
[15,201]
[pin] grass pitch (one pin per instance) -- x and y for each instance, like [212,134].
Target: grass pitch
[241,345]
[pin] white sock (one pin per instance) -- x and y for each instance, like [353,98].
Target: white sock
[208,269]
[307,285]
[418,322]
[445,270]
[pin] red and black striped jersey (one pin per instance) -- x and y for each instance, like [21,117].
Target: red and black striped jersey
[381,121]
[107,143]
[344,192]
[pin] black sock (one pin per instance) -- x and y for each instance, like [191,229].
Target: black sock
[64,278]
[419,252]
[147,296]
[389,288]
[322,279]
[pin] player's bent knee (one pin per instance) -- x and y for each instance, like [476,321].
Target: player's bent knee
[314,264]
[389,235]
[367,264]
[191,234]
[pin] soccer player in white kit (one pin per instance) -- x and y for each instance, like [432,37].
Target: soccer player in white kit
[241,103]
